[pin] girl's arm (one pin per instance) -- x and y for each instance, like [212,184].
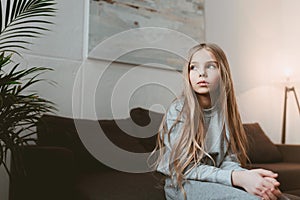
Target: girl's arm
[231,162]
[202,172]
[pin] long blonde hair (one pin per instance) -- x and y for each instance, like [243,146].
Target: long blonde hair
[189,148]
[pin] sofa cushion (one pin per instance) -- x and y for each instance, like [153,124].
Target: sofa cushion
[261,148]
[144,117]
[61,131]
[147,124]
[120,133]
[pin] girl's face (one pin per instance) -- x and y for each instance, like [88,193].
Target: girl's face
[204,72]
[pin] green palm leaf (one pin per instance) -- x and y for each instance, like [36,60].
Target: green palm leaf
[15,16]
[20,109]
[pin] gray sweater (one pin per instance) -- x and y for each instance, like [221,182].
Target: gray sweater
[215,145]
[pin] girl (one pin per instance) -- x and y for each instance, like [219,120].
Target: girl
[202,143]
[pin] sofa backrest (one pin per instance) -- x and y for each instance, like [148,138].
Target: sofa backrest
[135,134]
[261,148]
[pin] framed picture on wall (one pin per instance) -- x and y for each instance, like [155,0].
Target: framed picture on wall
[155,33]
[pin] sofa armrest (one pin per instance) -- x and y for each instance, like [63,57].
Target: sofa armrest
[49,171]
[47,159]
[290,153]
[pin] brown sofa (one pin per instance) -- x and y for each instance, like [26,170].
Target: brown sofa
[60,167]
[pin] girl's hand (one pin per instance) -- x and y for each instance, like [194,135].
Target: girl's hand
[275,193]
[259,182]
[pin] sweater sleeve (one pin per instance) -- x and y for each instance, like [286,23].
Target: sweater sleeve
[201,172]
[231,162]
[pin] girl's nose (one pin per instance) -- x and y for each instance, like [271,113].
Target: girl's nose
[201,72]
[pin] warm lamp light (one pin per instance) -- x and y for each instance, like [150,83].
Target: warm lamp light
[286,91]
[287,73]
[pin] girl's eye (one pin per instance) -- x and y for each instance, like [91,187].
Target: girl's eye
[211,66]
[192,67]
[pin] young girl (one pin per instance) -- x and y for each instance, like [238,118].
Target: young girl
[202,142]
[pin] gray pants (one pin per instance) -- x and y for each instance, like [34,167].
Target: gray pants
[197,190]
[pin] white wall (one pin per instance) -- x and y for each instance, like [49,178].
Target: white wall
[259,37]
[261,42]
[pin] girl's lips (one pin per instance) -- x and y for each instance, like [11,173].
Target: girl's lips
[202,83]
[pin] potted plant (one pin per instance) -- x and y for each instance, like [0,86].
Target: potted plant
[20,108]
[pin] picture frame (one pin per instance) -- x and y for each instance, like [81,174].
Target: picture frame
[151,33]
